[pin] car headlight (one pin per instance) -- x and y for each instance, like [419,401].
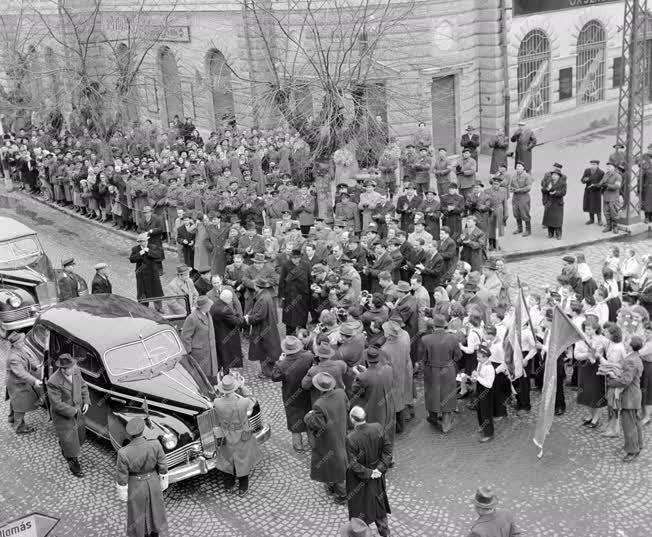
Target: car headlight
[169,441]
[15,301]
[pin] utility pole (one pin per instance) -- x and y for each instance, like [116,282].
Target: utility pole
[630,106]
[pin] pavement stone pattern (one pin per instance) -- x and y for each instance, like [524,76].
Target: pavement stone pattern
[580,488]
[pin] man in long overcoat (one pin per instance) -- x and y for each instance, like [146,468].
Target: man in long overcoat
[70,283]
[69,401]
[473,244]
[216,235]
[227,321]
[292,366]
[327,423]
[373,391]
[397,348]
[525,142]
[101,283]
[553,214]
[23,383]
[499,145]
[141,477]
[294,291]
[198,337]
[369,453]
[264,340]
[592,201]
[441,351]
[148,279]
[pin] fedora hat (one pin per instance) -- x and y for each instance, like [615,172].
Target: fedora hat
[323,381]
[202,300]
[324,350]
[355,528]
[350,328]
[485,497]
[439,321]
[291,345]
[259,258]
[391,328]
[262,283]
[228,384]
[373,355]
[65,360]
[403,287]
[182,269]
[16,336]
[135,427]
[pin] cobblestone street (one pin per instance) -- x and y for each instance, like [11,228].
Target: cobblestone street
[579,489]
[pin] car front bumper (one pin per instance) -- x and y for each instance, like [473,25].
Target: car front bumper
[202,465]
[10,326]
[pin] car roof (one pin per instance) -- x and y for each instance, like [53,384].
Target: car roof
[11,229]
[104,321]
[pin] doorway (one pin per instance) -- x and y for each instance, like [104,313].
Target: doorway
[444,113]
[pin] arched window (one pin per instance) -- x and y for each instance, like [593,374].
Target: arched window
[591,51]
[172,94]
[219,76]
[534,75]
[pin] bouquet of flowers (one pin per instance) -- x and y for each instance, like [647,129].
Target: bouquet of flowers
[343,157]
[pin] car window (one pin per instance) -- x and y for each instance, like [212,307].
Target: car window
[19,252]
[40,335]
[86,360]
[147,352]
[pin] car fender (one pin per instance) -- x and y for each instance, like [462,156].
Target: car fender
[157,425]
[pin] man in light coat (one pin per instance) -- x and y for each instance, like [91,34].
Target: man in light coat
[198,337]
[525,143]
[69,401]
[181,285]
[23,383]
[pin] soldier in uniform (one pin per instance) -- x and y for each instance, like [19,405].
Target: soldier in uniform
[473,244]
[406,205]
[369,200]
[592,202]
[471,141]
[274,209]
[141,478]
[525,143]
[443,170]
[346,211]
[408,159]
[465,170]
[610,185]
[304,209]
[452,209]
[422,167]
[23,383]
[479,205]
[520,186]
[70,283]
[497,197]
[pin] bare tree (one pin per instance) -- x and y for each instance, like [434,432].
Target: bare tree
[340,54]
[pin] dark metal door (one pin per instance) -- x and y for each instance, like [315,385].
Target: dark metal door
[444,115]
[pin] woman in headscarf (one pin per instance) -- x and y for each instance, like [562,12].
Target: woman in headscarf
[591,386]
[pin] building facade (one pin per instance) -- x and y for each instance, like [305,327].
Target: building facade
[554,63]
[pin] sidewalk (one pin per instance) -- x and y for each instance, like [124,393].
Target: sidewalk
[574,153]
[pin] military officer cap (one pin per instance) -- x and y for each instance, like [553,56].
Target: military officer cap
[68,261]
[520,162]
[370,182]
[622,168]
[618,146]
[466,150]
[442,149]
[135,427]
[286,211]
[409,145]
[100,266]
[594,161]
[452,186]
[345,194]
[611,163]
[479,183]
[431,190]
[469,128]
[496,179]
[557,165]
[295,252]
[409,186]
[568,259]
[332,278]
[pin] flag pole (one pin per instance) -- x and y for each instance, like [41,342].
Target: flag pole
[521,296]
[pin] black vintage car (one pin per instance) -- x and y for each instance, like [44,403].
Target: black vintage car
[135,365]
[27,279]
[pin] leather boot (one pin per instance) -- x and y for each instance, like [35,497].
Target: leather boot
[519,227]
[528,229]
[599,219]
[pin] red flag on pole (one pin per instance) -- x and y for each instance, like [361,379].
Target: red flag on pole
[512,343]
[563,333]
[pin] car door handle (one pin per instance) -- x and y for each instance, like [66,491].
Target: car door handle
[118,400]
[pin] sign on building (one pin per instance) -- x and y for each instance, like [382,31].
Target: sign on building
[119,27]
[530,7]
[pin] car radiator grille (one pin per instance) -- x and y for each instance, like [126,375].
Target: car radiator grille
[178,456]
[15,315]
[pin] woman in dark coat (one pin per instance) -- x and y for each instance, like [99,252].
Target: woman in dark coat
[292,366]
[499,145]
[294,291]
[186,239]
[264,340]
[554,191]
[227,323]
[591,386]
[148,281]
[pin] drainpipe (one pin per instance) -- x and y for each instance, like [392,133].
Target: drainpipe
[505,61]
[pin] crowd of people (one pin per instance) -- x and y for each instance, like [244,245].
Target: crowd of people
[349,318]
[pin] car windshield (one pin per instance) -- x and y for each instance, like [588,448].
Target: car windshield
[19,252]
[148,352]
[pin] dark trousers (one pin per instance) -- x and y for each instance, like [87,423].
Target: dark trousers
[305,230]
[554,232]
[522,388]
[400,421]
[484,404]
[501,392]
[243,482]
[631,430]
[560,400]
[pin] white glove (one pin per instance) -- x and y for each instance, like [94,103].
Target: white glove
[165,481]
[122,491]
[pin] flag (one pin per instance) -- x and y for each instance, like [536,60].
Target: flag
[563,333]
[512,342]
